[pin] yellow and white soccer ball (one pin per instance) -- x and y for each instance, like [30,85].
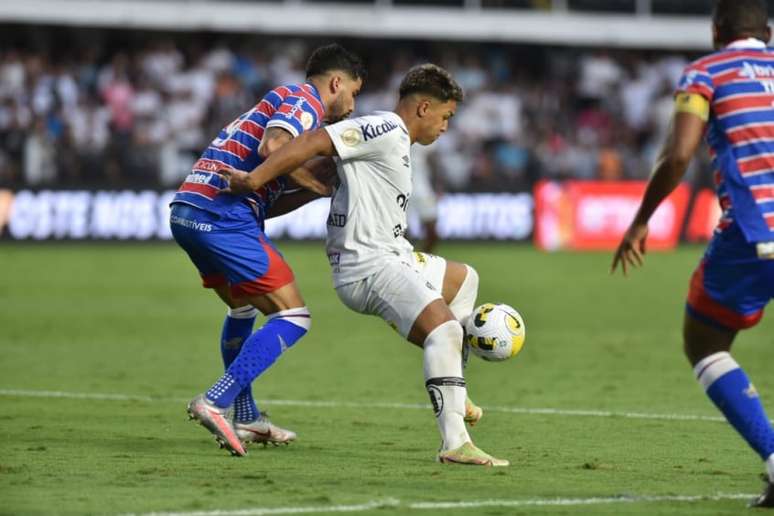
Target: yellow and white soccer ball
[495,332]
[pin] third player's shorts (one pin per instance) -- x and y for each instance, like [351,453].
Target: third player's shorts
[398,291]
[731,286]
[229,251]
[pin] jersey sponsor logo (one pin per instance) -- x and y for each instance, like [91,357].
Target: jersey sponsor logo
[374,131]
[755,71]
[337,220]
[190,224]
[204,164]
[350,137]
[398,230]
[292,111]
[402,200]
[199,179]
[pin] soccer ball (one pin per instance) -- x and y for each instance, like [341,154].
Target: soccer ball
[495,332]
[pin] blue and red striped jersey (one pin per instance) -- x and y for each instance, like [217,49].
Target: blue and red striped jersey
[295,108]
[738,81]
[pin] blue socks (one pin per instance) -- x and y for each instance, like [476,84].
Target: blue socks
[237,327]
[731,391]
[259,352]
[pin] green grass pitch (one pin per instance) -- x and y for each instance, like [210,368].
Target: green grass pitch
[132,321]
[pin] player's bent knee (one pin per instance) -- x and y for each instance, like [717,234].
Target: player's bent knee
[449,333]
[432,316]
[464,301]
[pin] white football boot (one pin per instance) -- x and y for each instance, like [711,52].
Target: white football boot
[263,431]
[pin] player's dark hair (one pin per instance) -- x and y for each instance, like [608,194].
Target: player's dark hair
[335,57]
[430,79]
[739,18]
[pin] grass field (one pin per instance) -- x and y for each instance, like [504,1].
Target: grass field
[101,346]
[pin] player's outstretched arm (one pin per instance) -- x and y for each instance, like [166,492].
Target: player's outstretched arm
[283,160]
[685,133]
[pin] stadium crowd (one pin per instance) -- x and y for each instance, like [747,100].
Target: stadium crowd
[102,115]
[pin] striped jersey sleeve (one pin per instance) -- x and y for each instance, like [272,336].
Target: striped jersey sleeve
[696,79]
[297,111]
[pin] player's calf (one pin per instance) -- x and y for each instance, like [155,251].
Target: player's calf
[444,382]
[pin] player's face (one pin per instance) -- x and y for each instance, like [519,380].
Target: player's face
[435,120]
[344,102]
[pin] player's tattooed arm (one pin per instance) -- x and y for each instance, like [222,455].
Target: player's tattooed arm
[283,160]
[273,139]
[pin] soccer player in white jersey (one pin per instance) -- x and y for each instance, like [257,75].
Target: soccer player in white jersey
[375,269]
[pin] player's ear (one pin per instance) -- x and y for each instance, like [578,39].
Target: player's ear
[335,83]
[767,33]
[423,107]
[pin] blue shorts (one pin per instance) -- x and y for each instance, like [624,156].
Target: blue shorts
[731,286]
[230,251]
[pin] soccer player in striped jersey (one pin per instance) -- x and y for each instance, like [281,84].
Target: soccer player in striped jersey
[223,236]
[729,97]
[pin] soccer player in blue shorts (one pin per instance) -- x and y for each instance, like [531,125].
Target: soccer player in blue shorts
[223,235]
[729,96]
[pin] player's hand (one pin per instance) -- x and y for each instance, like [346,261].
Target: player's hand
[631,250]
[238,182]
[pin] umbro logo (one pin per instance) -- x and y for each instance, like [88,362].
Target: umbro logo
[406,161]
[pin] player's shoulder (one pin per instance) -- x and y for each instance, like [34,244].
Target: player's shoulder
[382,125]
[718,60]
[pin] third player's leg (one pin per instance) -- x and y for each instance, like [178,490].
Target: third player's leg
[702,340]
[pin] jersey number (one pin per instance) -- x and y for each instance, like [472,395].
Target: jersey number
[232,128]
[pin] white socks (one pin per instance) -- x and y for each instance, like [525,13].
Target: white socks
[770,468]
[465,301]
[710,368]
[242,312]
[445,384]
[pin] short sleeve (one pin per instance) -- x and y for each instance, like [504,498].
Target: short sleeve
[696,79]
[360,138]
[295,114]
[351,138]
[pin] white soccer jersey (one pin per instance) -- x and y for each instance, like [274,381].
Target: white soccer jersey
[368,210]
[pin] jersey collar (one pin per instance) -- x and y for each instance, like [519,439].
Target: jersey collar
[746,43]
[313,90]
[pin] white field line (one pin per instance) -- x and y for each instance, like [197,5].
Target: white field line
[419,506]
[362,405]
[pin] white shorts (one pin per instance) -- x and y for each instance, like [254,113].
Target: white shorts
[398,291]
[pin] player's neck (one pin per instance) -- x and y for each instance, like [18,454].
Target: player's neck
[320,83]
[407,114]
